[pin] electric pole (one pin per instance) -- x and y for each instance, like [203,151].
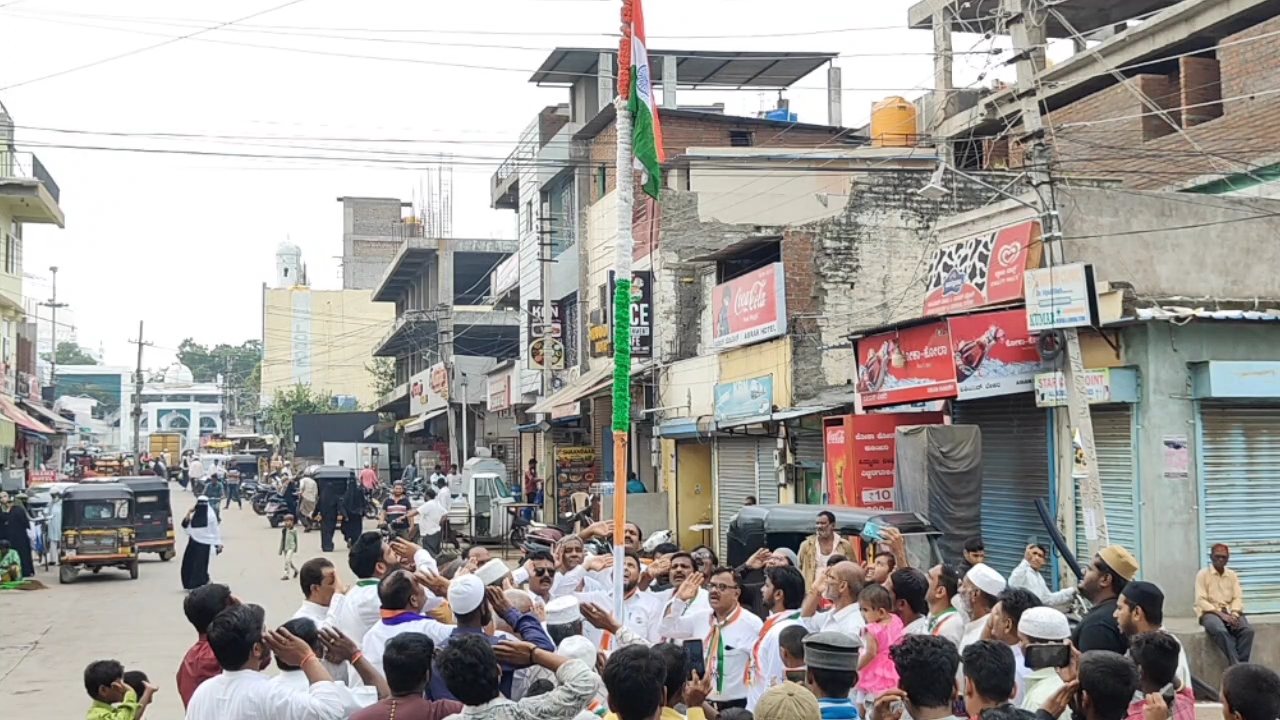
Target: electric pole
[545,229]
[53,305]
[1027,30]
[137,397]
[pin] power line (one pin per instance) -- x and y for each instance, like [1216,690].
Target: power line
[137,51]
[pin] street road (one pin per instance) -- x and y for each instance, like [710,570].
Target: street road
[49,636]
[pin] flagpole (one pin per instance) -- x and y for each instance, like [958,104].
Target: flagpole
[622,310]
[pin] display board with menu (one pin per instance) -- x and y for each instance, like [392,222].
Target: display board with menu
[575,472]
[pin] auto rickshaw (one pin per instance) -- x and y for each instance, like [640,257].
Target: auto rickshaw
[247,466]
[775,526]
[153,517]
[97,530]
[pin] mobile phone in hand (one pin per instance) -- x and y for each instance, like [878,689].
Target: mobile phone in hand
[694,660]
[1047,655]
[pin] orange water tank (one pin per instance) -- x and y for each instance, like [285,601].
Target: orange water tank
[893,123]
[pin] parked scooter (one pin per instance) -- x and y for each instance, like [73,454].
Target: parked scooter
[276,509]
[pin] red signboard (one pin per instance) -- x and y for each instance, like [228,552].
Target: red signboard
[994,354]
[749,308]
[983,270]
[906,366]
[861,451]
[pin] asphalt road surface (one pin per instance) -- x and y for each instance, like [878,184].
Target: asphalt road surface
[47,637]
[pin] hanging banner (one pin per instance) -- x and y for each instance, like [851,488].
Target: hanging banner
[994,354]
[749,308]
[543,354]
[906,366]
[429,389]
[641,313]
[1060,297]
[983,270]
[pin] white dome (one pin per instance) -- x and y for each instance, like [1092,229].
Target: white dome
[178,374]
[288,249]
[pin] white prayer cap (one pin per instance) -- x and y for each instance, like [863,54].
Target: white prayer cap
[563,610]
[986,579]
[465,594]
[1044,623]
[492,571]
[203,499]
[576,647]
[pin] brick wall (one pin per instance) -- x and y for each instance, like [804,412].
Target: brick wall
[680,133]
[1145,152]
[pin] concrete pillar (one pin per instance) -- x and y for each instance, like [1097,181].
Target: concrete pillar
[605,87]
[944,96]
[835,97]
[669,82]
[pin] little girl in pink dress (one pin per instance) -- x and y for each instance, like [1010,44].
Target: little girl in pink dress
[876,671]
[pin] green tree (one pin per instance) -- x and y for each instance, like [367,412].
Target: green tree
[383,370]
[288,402]
[70,353]
[239,365]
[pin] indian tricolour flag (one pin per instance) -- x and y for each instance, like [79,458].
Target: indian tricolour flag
[645,128]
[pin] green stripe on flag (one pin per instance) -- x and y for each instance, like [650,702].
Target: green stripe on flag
[644,144]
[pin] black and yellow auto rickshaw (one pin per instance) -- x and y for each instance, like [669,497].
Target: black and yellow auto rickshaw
[153,517]
[775,526]
[97,530]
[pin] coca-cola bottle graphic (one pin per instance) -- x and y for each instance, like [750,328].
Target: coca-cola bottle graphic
[871,374]
[970,354]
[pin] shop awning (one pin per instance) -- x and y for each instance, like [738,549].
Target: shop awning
[49,417]
[776,416]
[413,425]
[380,426]
[686,428]
[587,383]
[11,410]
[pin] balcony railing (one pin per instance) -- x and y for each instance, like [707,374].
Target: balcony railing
[15,164]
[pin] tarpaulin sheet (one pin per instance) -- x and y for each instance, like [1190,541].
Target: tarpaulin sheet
[939,476]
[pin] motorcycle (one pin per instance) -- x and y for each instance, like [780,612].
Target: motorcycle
[532,536]
[261,496]
[276,509]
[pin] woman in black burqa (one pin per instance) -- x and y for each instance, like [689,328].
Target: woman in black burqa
[15,524]
[203,541]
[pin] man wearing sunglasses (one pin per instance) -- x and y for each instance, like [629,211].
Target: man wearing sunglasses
[728,631]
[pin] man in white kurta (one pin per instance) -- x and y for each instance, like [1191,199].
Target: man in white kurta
[840,585]
[402,600]
[372,559]
[241,692]
[783,593]
[728,632]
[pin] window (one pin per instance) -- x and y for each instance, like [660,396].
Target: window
[602,181]
[528,216]
[741,138]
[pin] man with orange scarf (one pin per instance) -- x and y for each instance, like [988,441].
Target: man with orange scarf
[728,632]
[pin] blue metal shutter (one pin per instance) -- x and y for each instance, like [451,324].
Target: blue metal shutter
[1113,441]
[1015,472]
[766,471]
[735,479]
[1240,477]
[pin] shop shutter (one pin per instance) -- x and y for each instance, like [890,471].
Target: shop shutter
[735,480]
[1240,466]
[766,471]
[1015,473]
[810,456]
[1113,441]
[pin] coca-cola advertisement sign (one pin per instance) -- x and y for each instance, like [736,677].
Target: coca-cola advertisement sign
[994,354]
[906,366]
[749,308]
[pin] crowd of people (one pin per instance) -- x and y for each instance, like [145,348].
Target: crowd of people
[785,636]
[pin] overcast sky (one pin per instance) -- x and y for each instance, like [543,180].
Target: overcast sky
[184,240]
